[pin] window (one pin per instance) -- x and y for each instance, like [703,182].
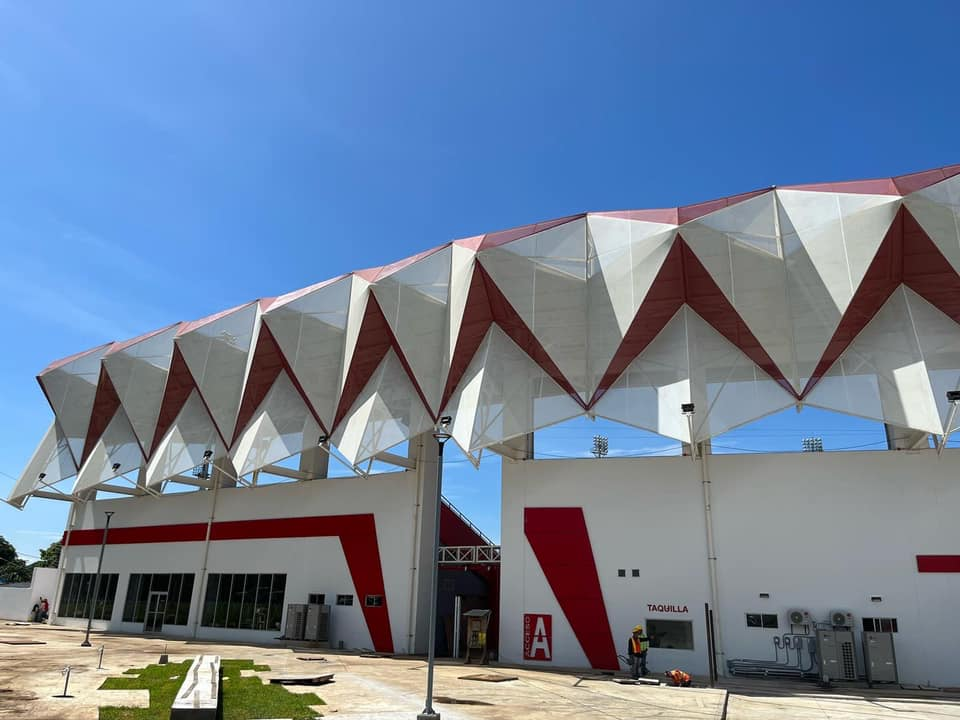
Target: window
[344,599]
[78,588]
[373,600]
[244,601]
[635,572]
[672,634]
[621,573]
[316,598]
[880,624]
[177,586]
[762,620]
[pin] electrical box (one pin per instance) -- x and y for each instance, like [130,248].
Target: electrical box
[296,622]
[879,658]
[477,623]
[318,624]
[837,655]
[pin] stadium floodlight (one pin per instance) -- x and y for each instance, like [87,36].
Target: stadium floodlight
[115,467]
[441,434]
[812,444]
[601,446]
[953,397]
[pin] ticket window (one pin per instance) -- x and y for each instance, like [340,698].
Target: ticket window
[670,634]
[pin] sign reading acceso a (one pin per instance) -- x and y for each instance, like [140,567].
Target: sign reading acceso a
[537,636]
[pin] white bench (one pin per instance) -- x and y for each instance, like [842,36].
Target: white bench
[199,695]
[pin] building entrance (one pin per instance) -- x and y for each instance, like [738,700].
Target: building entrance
[156,609]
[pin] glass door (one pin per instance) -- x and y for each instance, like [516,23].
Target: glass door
[156,608]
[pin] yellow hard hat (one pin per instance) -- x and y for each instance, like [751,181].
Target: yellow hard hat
[638,628]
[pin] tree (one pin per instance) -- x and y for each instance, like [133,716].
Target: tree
[15,570]
[7,551]
[50,556]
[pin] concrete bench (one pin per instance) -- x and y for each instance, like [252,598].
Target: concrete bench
[199,696]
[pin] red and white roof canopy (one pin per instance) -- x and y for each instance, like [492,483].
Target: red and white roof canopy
[844,296]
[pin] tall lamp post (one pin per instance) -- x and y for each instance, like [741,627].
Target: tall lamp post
[96,584]
[441,434]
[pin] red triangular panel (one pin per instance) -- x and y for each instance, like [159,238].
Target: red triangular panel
[477,318]
[105,404]
[502,237]
[705,297]
[510,321]
[927,271]
[907,184]
[692,212]
[265,367]
[179,384]
[883,276]
[663,299]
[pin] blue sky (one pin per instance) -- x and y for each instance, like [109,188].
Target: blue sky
[163,161]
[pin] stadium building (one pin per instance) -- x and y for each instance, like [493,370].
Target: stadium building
[686,321]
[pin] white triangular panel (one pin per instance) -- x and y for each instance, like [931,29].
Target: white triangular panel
[578,287]
[71,389]
[503,394]
[689,361]
[183,446]
[139,375]
[218,356]
[282,426]
[117,446]
[882,373]
[387,412]
[423,304]
[52,458]
[937,209]
[317,332]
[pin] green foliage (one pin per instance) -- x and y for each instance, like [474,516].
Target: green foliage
[244,698]
[50,556]
[7,551]
[15,570]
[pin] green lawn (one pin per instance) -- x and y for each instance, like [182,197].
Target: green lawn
[244,698]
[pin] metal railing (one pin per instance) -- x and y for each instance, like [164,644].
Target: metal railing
[469,555]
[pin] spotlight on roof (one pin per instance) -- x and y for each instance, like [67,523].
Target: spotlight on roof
[687,408]
[116,466]
[812,444]
[953,396]
[441,433]
[323,439]
[207,454]
[41,476]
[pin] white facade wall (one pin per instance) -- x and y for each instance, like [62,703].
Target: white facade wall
[818,531]
[312,565]
[17,601]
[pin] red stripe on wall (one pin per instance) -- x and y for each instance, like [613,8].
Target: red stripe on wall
[559,539]
[938,563]
[357,533]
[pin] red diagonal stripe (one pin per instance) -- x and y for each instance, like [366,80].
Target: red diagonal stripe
[105,404]
[559,539]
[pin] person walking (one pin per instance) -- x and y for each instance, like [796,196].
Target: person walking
[637,647]
[44,609]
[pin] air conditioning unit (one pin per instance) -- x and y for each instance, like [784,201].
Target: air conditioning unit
[798,617]
[841,619]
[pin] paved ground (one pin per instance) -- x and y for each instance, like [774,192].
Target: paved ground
[381,688]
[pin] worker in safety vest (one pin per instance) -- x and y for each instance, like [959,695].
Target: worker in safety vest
[637,647]
[679,677]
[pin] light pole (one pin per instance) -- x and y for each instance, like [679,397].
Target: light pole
[441,435]
[96,584]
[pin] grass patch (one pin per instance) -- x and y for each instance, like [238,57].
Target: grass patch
[244,698]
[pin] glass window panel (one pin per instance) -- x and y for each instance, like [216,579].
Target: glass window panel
[275,613]
[131,601]
[769,620]
[173,600]
[235,601]
[753,620]
[210,600]
[223,600]
[161,583]
[143,592]
[672,634]
[262,606]
[186,594]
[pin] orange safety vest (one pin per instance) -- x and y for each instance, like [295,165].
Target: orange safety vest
[638,646]
[679,677]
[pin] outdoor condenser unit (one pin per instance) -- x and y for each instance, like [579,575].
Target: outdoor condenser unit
[879,658]
[837,655]
[296,622]
[318,624]
[841,619]
[798,617]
